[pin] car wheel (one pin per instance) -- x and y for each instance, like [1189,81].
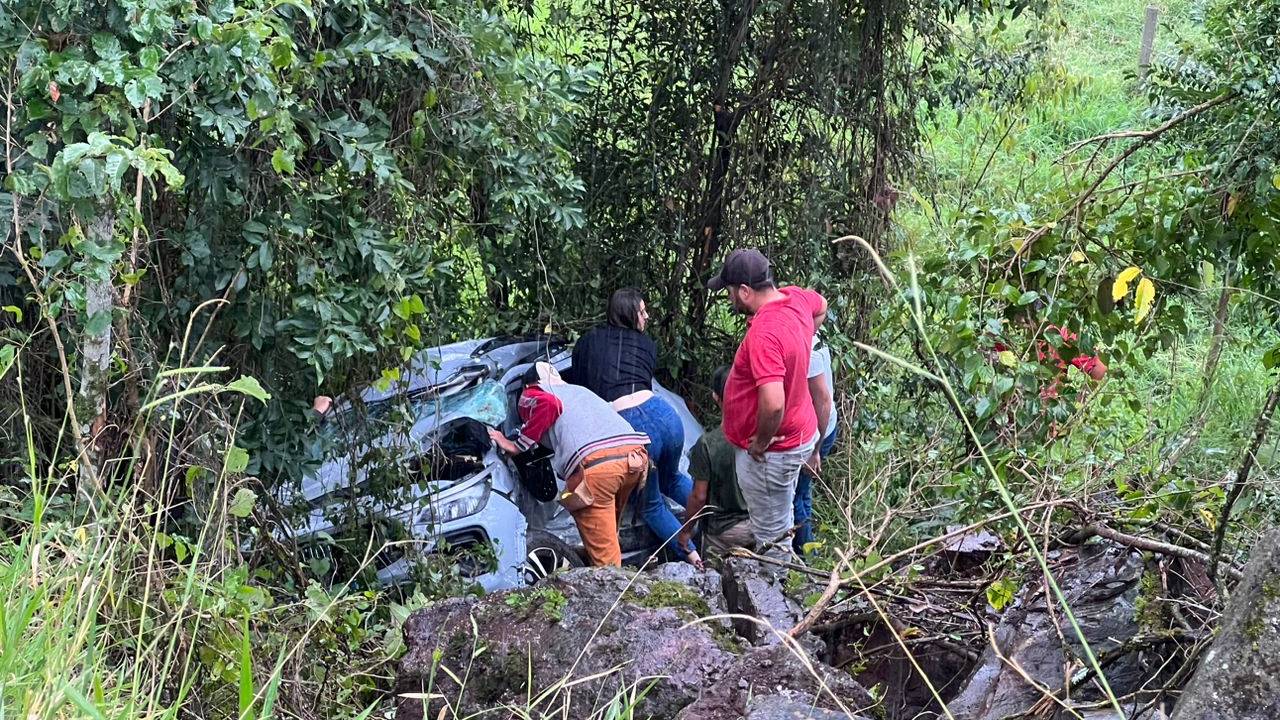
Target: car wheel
[545,553]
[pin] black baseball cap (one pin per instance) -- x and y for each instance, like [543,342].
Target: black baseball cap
[747,266]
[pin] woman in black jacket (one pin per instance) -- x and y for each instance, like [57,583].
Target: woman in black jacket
[617,361]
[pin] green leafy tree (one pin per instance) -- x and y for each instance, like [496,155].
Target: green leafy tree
[279,187]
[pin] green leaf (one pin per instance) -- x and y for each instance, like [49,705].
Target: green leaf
[52,259]
[984,406]
[282,162]
[281,53]
[149,57]
[7,355]
[135,93]
[246,669]
[1028,297]
[1206,274]
[250,386]
[242,503]
[1000,593]
[1271,358]
[236,461]
[78,699]
[15,311]
[98,323]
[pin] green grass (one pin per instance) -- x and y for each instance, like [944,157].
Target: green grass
[1085,88]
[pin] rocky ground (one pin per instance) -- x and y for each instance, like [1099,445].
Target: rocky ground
[673,642]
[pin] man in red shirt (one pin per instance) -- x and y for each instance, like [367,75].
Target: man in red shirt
[768,412]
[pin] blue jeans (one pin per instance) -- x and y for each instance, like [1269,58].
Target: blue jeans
[655,418]
[803,503]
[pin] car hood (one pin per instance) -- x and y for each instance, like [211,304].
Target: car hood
[394,423]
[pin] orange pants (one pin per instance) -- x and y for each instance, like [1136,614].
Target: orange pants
[610,483]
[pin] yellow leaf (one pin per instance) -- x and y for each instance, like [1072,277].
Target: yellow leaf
[1209,518]
[1143,297]
[1232,200]
[1120,287]
[1008,359]
[1077,257]
[811,547]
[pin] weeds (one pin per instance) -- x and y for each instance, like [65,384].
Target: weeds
[546,599]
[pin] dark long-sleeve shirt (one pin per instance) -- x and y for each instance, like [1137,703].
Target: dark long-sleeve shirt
[614,361]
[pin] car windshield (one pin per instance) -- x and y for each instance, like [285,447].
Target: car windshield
[361,426]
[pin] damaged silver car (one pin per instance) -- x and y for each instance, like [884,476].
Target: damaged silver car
[409,474]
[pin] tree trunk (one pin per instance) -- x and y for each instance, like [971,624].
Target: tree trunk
[711,219]
[487,233]
[95,361]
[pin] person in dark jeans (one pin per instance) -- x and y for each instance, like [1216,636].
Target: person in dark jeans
[822,389]
[617,361]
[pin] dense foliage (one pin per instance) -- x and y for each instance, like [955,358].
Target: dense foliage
[280,188]
[215,210]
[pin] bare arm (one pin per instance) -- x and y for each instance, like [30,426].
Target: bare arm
[820,315]
[821,401]
[503,443]
[697,502]
[771,400]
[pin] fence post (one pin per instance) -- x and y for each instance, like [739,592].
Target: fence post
[1148,41]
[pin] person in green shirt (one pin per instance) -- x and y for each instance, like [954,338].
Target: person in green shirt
[716,499]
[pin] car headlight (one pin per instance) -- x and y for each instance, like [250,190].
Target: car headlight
[456,504]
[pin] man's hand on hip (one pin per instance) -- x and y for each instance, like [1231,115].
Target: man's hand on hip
[757,449]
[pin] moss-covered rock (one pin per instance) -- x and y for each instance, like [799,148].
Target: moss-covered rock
[589,636]
[1239,676]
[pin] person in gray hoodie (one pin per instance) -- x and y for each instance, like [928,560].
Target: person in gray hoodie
[601,458]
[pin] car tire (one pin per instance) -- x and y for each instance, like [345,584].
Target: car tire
[545,553]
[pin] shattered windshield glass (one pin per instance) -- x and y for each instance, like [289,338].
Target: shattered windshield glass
[485,402]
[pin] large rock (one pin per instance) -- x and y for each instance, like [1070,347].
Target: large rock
[581,638]
[774,707]
[1239,677]
[775,683]
[1102,584]
[755,590]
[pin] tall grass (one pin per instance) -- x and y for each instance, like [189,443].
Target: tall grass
[1086,86]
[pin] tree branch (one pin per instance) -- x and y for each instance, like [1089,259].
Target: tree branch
[1143,138]
[1143,543]
[1260,429]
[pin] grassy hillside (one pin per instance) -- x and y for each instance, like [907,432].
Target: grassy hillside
[1086,86]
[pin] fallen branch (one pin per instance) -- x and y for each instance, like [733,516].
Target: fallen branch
[1143,543]
[833,586]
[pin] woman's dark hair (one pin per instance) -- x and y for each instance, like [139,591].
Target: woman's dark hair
[718,380]
[624,308]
